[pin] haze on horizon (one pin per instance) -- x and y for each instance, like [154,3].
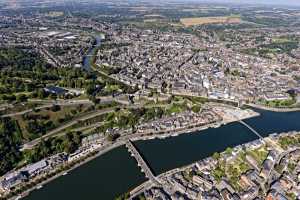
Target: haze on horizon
[269,2]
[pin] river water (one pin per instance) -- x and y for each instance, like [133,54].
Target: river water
[103,178]
[86,63]
[116,172]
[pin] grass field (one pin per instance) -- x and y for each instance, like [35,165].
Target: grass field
[44,116]
[210,20]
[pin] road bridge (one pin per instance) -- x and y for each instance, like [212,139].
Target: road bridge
[141,163]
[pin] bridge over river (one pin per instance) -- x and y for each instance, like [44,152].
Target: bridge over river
[251,129]
[141,163]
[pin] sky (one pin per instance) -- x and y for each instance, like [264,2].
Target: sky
[274,2]
[278,2]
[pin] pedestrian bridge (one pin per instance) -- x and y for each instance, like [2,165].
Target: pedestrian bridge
[141,163]
[251,129]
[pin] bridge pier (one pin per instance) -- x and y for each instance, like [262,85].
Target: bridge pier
[141,163]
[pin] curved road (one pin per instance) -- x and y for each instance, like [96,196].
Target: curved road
[93,114]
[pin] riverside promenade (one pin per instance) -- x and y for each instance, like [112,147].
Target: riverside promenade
[107,146]
[273,109]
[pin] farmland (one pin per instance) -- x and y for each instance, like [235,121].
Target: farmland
[210,20]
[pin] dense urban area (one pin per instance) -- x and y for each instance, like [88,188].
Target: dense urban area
[262,169]
[80,78]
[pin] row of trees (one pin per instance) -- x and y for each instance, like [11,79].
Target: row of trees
[10,139]
[19,58]
[67,143]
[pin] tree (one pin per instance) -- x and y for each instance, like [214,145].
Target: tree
[21,98]
[196,108]
[10,139]
[71,142]
[77,138]
[228,150]
[216,156]
[53,96]
[41,94]
[55,108]
[112,137]
[94,99]
[90,89]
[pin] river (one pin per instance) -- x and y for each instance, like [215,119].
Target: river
[116,172]
[86,63]
[103,178]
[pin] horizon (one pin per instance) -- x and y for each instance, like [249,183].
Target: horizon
[257,2]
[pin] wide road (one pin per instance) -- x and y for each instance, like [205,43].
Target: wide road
[49,104]
[90,115]
[93,114]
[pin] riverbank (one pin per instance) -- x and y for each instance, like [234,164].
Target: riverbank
[105,177]
[198,178]
[88,58]
[196,129]
[273,109]
[108,146]
[71,166]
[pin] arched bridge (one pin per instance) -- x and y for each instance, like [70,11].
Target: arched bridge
[141,163]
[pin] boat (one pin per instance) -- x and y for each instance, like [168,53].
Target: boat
[65,173]
[39,187]
[18,197]
[24,195]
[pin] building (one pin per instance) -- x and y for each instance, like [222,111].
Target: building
[55,90]
[12,180]
[35,168]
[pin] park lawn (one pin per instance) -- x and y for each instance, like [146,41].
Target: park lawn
[99,118]
[259,155]
[22,124]
[112,88]
[281,103]
[286,141]
[22,106]
[174,108]
[235,169]
[281,40]
[81,97]
[55,116]
[219,172]
[196,108]
[63,115]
